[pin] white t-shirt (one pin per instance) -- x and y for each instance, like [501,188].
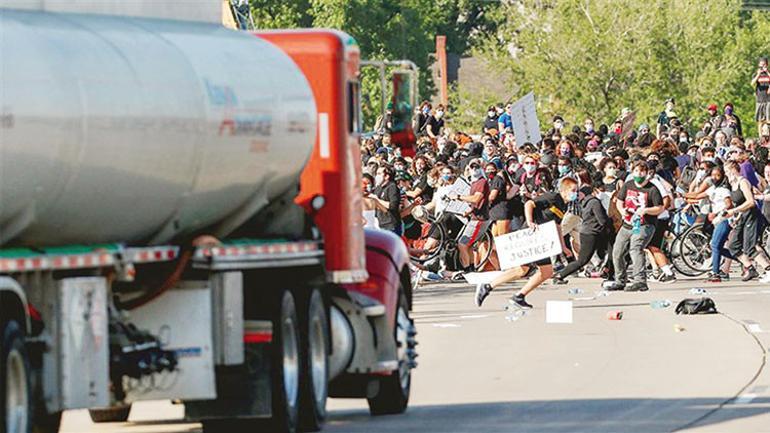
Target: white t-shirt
[665,190]
[717,196]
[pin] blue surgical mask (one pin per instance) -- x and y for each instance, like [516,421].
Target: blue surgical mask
[563,169]
[572,196]
[446,177]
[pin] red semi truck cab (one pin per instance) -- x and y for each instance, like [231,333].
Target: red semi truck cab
[330,61]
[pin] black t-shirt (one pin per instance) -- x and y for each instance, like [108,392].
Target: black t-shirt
[549,207]
[763,83]
[427,190]
[634,196]
[498,208]
[490,123]
[435,125]
[390,219]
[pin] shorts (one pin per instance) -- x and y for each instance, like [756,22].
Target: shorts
[657,238]
[473,231]
[746,235]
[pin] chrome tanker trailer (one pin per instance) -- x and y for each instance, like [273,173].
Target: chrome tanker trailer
[150,246]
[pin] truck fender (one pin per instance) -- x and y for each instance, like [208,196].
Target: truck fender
[13,302]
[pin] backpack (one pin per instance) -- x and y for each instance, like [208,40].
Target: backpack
[685,179]
[696,306]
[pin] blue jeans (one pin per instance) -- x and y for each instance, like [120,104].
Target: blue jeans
[718,239]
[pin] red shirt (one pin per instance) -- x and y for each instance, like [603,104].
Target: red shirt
[480,210]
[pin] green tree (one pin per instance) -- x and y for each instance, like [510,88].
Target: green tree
[594,57]
[385,30]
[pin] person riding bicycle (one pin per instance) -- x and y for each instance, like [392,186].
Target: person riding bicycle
[478,214]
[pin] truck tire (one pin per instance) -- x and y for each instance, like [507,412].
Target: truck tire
[110,414]
[15,385]
[286,365]
[393,396]
[314,348]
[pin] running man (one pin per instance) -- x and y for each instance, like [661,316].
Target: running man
[547,207]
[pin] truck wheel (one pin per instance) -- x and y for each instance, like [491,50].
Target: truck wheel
[286,365]
[110,414]
[314,381]
[15,395]
[393,396]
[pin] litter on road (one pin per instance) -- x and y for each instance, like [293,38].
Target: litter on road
[615,315]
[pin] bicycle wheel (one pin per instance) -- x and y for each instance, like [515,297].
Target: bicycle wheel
[438,241]
[482,249]
[695,251]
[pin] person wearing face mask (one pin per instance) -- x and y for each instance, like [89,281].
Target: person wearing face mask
[436,122]
[745,218]
[490,121]
[422,189]
[548,207]
[731,123]
[478,215]
[639,203]
[611,177]
[421,121]
[761,84]
[533,180]
[716,190]
[387,200]
[504,122]
[499,213]
[714,120]
[588,125]
[655,246]
[665,116]
[592,230]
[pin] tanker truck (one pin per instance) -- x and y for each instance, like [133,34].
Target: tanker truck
[180,219]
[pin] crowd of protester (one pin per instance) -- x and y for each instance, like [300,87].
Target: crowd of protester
[613,190]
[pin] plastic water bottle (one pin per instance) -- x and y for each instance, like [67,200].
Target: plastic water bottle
[637,222]
[575,291]
[698,291]
[660,304]
[516,315]
[602,294]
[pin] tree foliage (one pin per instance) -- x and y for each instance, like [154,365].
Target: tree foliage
[384,29]
[594,57]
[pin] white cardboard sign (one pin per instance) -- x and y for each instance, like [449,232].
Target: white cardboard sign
[527,246]
[460,187]
[526,126]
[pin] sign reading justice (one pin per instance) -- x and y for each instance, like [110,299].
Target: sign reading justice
[527,246]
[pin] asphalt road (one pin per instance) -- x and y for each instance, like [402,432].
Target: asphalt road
[652,371]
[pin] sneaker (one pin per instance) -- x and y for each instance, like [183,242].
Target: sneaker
[724,276]
[713,278]
[750,274]
[654,275]
[458,276]
[637,287]
[666,279]
[559,280]
[518,301]
[610,285]
[482,291]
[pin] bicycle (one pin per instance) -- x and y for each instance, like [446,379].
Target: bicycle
[443,235]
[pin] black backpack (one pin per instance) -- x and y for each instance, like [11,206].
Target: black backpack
[696,306]
[686,177]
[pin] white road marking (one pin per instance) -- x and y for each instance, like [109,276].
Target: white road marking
[446,325]
[745,398]
[475,316]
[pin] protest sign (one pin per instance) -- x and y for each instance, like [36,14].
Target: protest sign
[526,126]
[460,187]
[527,246]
